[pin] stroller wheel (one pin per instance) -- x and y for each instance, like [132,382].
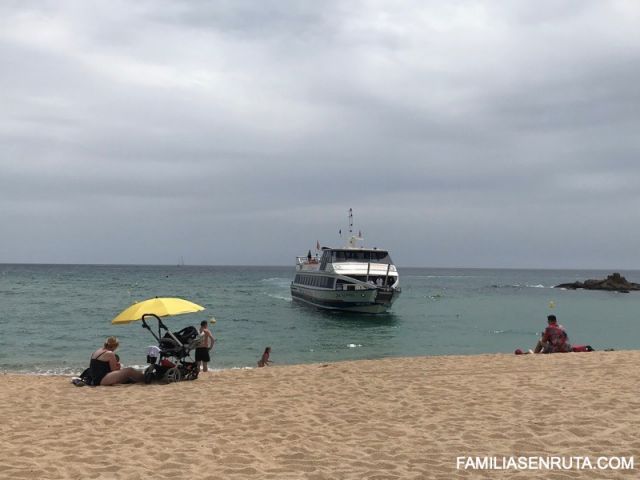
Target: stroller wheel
[149,374]
[190,371]
[173,375]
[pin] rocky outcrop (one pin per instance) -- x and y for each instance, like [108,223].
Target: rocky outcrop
[613,283]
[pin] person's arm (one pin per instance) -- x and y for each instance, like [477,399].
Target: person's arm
[213,340]
[113,363]
[546,335]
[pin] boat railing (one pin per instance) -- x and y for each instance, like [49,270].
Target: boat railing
[307,261]
[304,263]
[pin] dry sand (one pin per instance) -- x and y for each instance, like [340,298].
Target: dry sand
[394,418]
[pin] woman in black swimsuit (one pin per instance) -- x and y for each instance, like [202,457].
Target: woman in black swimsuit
[105,368]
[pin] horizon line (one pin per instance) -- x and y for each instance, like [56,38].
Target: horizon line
[293,266]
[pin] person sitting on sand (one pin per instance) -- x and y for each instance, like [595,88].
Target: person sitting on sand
[554,339]
[105,368]
[264,360]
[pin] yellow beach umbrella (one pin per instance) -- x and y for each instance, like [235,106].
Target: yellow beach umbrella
[160,307]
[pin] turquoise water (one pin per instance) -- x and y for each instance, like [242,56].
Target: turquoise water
[53,316]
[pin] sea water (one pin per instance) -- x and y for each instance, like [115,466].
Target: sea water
[52,317]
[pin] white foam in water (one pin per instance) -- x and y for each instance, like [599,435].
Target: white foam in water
[353,345]
[279,297]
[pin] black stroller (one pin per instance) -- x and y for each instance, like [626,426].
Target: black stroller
[171,361]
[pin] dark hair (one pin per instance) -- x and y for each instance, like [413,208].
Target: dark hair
[551,318]
[203,323]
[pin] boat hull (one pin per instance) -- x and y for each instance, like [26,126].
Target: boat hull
[360,301]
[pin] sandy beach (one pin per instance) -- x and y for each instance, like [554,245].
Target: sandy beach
[405,418]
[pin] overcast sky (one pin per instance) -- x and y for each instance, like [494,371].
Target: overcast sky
[462,133]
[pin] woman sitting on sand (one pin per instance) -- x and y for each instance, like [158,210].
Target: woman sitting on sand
[105,368]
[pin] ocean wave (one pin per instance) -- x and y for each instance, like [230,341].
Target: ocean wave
[279,297]
[44,372]
[512,332]
[518,285]
[435,296]
[443,276]
[74,372]
[276,280]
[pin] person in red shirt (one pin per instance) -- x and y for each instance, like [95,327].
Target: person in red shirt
[554,339]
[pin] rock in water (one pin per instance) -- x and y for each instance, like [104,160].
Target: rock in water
[613,283]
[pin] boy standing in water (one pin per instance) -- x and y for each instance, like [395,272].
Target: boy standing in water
[206,344]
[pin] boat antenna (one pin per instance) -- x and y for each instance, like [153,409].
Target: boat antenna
[352,238]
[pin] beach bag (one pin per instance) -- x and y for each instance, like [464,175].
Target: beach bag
[87,378]
[582,348]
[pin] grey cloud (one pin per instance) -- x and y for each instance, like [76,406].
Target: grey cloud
[460,133]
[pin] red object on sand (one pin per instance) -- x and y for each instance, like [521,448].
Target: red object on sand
[582,348]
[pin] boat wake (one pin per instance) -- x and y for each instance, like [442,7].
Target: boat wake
[279,297]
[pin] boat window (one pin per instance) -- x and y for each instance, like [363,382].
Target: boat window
[361,278]
[326,258]
[373,256]
[381,257]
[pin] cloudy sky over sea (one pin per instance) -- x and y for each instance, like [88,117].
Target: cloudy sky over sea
[462,133]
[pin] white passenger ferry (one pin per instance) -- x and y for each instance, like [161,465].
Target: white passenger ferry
[352,278]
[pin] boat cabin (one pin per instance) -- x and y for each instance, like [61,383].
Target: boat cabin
[361,255]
